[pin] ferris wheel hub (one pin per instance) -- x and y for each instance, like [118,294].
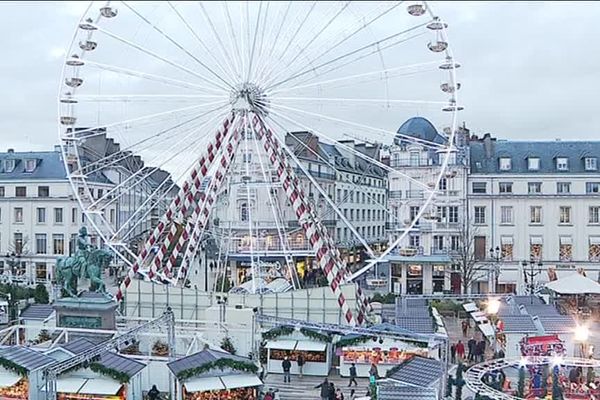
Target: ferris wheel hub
[249,97]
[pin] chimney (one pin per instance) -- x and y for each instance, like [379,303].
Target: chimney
[488,145]
[10,151]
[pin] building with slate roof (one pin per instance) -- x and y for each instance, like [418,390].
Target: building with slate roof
[538,202]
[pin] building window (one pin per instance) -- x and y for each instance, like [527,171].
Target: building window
[18,214]
[562,163]
[594,248]
[535,214]
[506,215]
[479,187]
[564,215]
[72,244]
[9,165]
[21,191]
[533,163]
[535,248]
[453,214]
[534,187]
[2,191]
[594,215]
[505,163]
[244,214]
[40,271]
[30,165]
[563,187]
[41,215]
[454,242]
[480,214]
[443,184]
[111,216]
[413,212]
[248,159]
[415,158]
[506,248]
[74,215]
[480,248]
[18,242]
[58,215]
[414,241]
[43,191]
[565,251]
[438,243]
[58,243]
[40,243]
[505,187]
[591,163]
[592,187]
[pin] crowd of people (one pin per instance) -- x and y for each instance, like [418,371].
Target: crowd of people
[473,352]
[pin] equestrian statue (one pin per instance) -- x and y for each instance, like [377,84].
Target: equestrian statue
[88,262]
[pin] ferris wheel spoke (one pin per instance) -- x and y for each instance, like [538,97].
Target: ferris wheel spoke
[206,48]
[312,40]
[179,46]
[275,42]
[363,126]
[101,129]
[377,44]
[261,45]
[301,167]
[217,87]
[233,39]
[387,72]
[143,97]
[352,150]
[361,100]
[147,76]
[251,58]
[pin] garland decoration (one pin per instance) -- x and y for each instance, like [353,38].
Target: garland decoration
[119,376]
[12,366]
[285,330]
[221,363]
[320,337]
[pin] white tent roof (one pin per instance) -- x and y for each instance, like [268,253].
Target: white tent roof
[574,284]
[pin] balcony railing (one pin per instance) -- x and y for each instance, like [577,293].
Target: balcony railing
[407,162]
[316,174]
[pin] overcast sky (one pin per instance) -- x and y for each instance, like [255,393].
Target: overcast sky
[530,70]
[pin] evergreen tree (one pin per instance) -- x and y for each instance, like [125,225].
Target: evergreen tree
[227,345]
[40,294]
[521,384]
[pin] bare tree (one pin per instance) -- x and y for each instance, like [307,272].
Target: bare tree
[17,249]
[469,264]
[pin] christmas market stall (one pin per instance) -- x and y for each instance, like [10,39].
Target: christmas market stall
[285,341]
[20,372]
[110,377]
[511,330]
[216,375]
[384,352]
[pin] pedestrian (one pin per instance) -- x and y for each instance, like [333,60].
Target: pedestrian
[300,363]
[352,394]
[331,392]
[481,350]
[373,372]
[460,351]
[324,389]
[453,353]
[338,394]
[465,328]
[352,375]
[471,347]
[286,365]
[153,393]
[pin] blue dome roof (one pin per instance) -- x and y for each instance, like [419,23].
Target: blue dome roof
[421,128]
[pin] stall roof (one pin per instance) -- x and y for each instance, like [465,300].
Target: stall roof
[78,345]
[524,300]
[37,312]
[574,284]
[281,344]
[304,345]
[200,358]
[470,307]
[417,325]
[487,329]
[542,310]
[240,381]
[70,384]
[204,384]
[101,386]
[518,324]
[8,378]
[25,357]
[558,324]
[390,391]
[419,371]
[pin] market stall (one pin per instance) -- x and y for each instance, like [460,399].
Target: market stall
[216,375]
[512,329]
[20,371]
[13,386]
[285,341]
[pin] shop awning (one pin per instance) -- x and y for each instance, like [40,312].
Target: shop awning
[281,344]
[535,240]
[240,381]
[310,346]
[594,239]
[566,240]
[487,330]
[204,384]
[470,307]
[506,240]
[105,387]
[8,379]
[70,385]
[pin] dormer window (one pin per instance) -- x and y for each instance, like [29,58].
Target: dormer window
[30,165]
[9,165]
[562,164]
[591,163]
[505,163]
[533,163]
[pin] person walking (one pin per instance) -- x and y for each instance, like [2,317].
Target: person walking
[465,328]
[471,347]
[374,372]
[286,365]
[338,394]
[300,363]
[153,393]
[453,353]
[460,351]
[480,347]
[324,386]
[352,394]
[352,375]
[331,392]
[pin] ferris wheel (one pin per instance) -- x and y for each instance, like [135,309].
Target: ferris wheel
[175,121]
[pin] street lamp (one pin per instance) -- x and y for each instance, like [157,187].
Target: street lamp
[493,306]
[495,258]
[530,274]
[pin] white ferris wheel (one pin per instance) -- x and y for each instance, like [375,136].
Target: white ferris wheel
[162,105]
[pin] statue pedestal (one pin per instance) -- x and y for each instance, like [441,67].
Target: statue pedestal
[90,311]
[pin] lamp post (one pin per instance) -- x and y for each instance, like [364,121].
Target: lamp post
[13,260]
[493,306]
[495,258]
[531,273]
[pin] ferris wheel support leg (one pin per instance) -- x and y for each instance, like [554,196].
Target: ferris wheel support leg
[315,233]
[193,181]
[208,200]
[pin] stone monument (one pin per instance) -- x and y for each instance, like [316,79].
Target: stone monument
[92,308]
